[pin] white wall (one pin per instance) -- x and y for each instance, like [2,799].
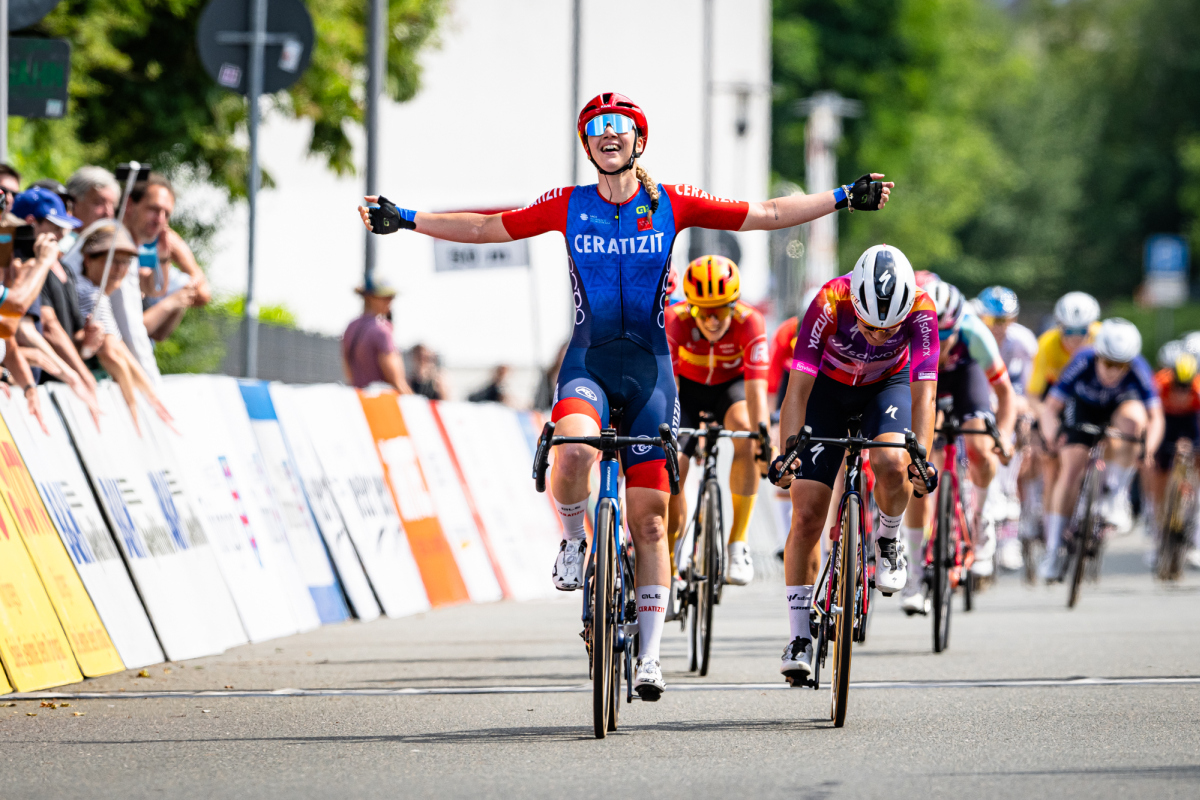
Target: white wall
[492,127]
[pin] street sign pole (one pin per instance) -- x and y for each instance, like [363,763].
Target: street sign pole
[376,65]
[4,81]
[258,32]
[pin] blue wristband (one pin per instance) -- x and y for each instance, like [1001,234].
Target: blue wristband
[839,197]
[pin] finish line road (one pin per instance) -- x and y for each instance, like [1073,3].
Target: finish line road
[1031,700]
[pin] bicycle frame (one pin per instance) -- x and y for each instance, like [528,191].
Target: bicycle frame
[610,482]
[964,551]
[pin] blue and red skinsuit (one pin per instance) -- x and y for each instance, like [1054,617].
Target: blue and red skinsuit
[620,257]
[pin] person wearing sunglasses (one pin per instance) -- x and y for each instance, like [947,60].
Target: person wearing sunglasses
[1178,385]
[619,233]
[1076,321]
[720,356]
[970,371]
[1108,385]
[867,346]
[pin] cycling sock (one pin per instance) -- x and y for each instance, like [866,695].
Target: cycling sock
[799,600]
[783,505]
[573,516]
[1054,526]
[651,614]
[889,526]
[1116,477]
[916,539]
[743,508]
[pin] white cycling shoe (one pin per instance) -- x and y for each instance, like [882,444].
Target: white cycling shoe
[1008,555]
[648,680]
[985,550]
[891,566]
[796,663]
[568,567]
[915,603]
[740,569]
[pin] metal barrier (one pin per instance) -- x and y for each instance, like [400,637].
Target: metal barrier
[286,354]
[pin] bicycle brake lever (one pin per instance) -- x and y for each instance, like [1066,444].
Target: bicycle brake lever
[541,458]
[671,450]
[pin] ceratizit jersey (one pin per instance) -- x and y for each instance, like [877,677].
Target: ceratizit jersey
[620,254]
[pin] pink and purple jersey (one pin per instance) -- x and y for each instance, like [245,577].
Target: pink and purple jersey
[828,341]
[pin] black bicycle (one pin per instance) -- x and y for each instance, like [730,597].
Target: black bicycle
[1177,518]
[1085,533]
[950,553]
[841,597]
[609,601]
[705,575]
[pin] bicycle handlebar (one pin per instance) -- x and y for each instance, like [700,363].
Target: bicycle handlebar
[916,451]
[954,431]
[606,441]
[763,435]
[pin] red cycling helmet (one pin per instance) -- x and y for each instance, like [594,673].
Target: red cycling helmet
[613,103]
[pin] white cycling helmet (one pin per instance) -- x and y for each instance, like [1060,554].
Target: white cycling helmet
[948,302]
[882,286]
[1169,352]
[1191,342]
[1118,340]
[1076,310]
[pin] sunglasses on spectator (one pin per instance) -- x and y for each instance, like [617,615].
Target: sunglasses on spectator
[1113,365]
[618,122]
[720,312]
[1075,331]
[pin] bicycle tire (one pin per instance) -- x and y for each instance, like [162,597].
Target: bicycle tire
[847,598]
[622,663]
[965,539]
[603,618]
[1173,536]
[694,588]
[941,589]
[968,584]
[712,567]
[1089,495]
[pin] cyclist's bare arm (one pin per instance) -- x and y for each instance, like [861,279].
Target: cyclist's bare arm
[458,227]
[1048,420]
[785,212]
[1006,407]
[792,412]
[1154,430]
[924,410]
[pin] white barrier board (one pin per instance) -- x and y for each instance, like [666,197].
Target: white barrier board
[319,493]
[522,530]
[200,452]
[224,410]
[279,473]
[64,489]
[334,420]
[453,508]
[172,566]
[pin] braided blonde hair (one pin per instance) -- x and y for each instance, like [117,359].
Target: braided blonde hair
[649,185]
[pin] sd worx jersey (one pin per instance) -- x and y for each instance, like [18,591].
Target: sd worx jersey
[619,257]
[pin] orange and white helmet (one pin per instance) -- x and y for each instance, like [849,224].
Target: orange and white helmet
[711,282]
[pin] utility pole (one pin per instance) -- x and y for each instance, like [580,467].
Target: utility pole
[4,81]
[258,34]
[706,79]
[825,112]
[576,25]
[376,69]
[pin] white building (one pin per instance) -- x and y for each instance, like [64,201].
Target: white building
[493,127]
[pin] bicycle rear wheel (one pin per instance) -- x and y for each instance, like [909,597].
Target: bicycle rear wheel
[941,589]
[1173,532]
[846,598]
[707,595]
[604,614]
[695,588]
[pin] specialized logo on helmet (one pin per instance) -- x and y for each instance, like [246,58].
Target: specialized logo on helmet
[586,392]
[885,279]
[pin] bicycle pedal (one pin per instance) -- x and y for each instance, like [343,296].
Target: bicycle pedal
[797,679]
[886,594]
[650,694]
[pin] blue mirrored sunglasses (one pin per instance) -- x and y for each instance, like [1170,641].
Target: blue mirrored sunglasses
[1074,331]
[945,333]
[619,123]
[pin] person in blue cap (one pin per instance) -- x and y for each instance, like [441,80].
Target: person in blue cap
[44,210]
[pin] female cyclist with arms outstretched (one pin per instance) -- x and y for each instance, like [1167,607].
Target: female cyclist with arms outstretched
[619,234]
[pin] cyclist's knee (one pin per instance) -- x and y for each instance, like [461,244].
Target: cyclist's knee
[890,465]
[1130,417]
[573,460]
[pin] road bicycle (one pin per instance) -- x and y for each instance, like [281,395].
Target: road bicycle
[841,597]
[950,551]
[705,573]
[1178,513]
[1085,533]
[609,602]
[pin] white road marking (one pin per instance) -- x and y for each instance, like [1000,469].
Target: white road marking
[1016,683]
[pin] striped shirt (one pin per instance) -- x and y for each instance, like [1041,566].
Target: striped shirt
[103,312]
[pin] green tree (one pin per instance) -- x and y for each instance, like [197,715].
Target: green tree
[138,90]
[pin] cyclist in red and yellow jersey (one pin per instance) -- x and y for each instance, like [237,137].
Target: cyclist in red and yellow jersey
[719,353]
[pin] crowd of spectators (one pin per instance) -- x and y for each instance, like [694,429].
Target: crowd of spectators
[86,295]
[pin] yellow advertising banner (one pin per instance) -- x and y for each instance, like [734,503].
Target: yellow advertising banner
[33,647]
[89,640]
[4,687]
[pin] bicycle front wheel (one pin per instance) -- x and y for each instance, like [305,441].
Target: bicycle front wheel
[1081,545]
[847,598]
[707,594]
[942,556]
[604,618]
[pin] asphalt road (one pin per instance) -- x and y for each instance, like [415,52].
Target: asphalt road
[490,701]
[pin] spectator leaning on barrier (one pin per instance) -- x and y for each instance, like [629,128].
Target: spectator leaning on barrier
[369,353]
[496,391]
[172,281]
[113,354]
[22,283]
[425,376]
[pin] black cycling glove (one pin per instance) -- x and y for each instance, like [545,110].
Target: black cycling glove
[386,218]
[862,195]
[916,476]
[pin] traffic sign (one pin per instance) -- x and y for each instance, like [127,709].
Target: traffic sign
[224,36]
[38,70]
[23,13]
[1166,261]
